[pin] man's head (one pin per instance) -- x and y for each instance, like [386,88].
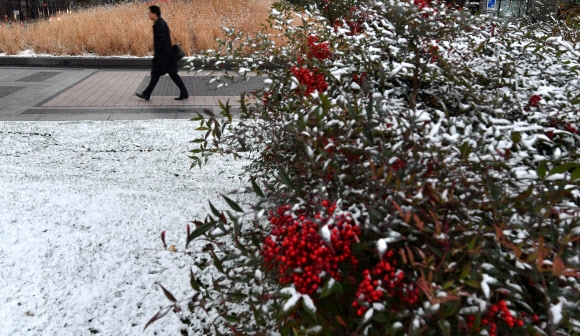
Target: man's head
[154,13]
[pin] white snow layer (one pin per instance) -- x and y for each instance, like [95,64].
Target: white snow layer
[485,284]
[325,234]
[82,207]
[382,247]
[556,312]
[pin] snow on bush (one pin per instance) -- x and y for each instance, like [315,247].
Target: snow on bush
[416,171]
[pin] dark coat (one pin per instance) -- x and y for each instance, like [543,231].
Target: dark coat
[163,59]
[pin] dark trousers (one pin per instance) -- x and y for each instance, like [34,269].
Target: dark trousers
[176,79]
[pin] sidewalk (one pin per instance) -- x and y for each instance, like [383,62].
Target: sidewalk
[42,94]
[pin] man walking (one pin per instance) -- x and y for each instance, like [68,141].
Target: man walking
[163,59]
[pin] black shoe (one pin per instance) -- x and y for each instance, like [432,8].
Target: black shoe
[181,97]
[142,96]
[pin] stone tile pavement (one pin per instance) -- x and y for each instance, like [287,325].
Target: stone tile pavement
[30,94]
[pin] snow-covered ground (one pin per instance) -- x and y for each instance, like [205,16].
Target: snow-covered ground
[82,206]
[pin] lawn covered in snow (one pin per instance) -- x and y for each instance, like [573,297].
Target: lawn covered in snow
[82,206]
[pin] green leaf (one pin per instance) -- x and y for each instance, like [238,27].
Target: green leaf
[563,168]
[472,283]
[238,296]
[477,321]
[258,317]
[193,282]
[472,243]
[338,289]
[448,309]
[369,110]
[576,174]
[202,128]
[493,190]
[231,318]
[327,289]
[242,105]
[255,241]
[310,312]
[196,161]
[257,189]
[217,262]
[516,137]
[381,318]
[232,204]
[214,210]
[216,130]
[224,125]
[285,177]
[542,170]
[465,150]
[465,273]
[200,231]
[448,284]
[445,327]
[198,118]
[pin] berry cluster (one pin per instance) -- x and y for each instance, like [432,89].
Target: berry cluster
[267,96]
[433,51]
[571,128]
[354,19]
[554,124]
[430,168]
[359,78]
[384,281]
[493,29]
[495,311]
[317,50]
[534,101]
[296,248]
[355,27]
[398,165]
[421,4]
[312,80]
[328,143]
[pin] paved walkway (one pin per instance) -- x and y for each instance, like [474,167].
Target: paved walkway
[30,94]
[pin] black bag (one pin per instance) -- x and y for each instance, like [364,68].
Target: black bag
[178,53]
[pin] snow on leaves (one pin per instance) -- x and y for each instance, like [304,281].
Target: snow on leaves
[456,134]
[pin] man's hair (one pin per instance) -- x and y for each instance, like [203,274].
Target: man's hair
[155,10]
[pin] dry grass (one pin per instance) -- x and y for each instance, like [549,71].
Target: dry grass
[126,30]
